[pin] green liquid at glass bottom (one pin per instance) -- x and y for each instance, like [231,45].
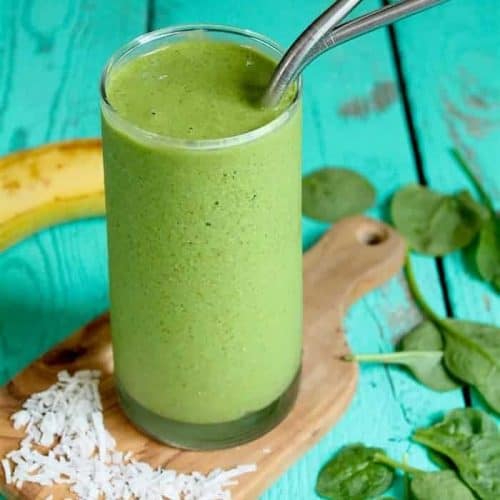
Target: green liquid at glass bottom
[204,241]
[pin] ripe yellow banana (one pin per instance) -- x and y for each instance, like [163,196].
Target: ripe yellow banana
[48,185]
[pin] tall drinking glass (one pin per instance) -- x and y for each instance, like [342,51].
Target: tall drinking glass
[205,259]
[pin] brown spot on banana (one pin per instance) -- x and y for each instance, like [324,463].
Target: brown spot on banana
[11,185]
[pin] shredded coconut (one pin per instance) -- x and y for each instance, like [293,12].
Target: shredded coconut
[67,443]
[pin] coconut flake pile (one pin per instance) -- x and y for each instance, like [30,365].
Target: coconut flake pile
[66,443]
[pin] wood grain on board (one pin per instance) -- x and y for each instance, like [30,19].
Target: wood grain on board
[354,257]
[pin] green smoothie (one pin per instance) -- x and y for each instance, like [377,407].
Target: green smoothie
[203,230]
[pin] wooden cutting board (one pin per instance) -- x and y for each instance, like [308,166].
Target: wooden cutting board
[355,256]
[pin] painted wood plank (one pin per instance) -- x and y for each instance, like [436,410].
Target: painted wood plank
[51,56]
[454,89]
[352,116]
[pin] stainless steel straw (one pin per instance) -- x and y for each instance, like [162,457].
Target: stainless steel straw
[325,33]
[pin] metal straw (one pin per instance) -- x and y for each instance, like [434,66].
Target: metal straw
[325,33]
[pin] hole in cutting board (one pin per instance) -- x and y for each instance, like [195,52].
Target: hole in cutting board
[372,235]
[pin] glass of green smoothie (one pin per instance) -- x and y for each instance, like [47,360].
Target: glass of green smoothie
[203,200]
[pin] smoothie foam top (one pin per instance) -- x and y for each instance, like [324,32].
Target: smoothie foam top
[195,89]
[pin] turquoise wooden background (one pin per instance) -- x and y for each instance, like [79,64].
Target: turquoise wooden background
[388,105]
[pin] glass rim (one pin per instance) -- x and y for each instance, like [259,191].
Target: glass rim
[199,144]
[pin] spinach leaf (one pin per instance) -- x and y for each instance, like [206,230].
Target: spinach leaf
[427,337]
[439,460]
[488,253]
[464,422]
[422,364]
[477,458]
[470,439]
[421,352]
[461,422]
[472,350]
[472,354]
[441,485]
[434,223]
[332,193]
[424,337]
[421,485]
[353,474]
[488,250]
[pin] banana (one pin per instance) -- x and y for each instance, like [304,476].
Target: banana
[49,185]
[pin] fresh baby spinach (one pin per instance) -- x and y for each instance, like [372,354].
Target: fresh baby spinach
[472,354]
[462,422]
[466,438]
[442,485]
[469,438]
[488,249]
[354,474]
[422,485]
[427,337]
[332,193]
[488,252]
[465,422]
[421,363]
[421,352]
[472,350]
[434,223]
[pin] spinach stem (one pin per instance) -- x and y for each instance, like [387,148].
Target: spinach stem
[417,294]
[420,437]
[394,464]
[396,357]
[433,316]
[464,165]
